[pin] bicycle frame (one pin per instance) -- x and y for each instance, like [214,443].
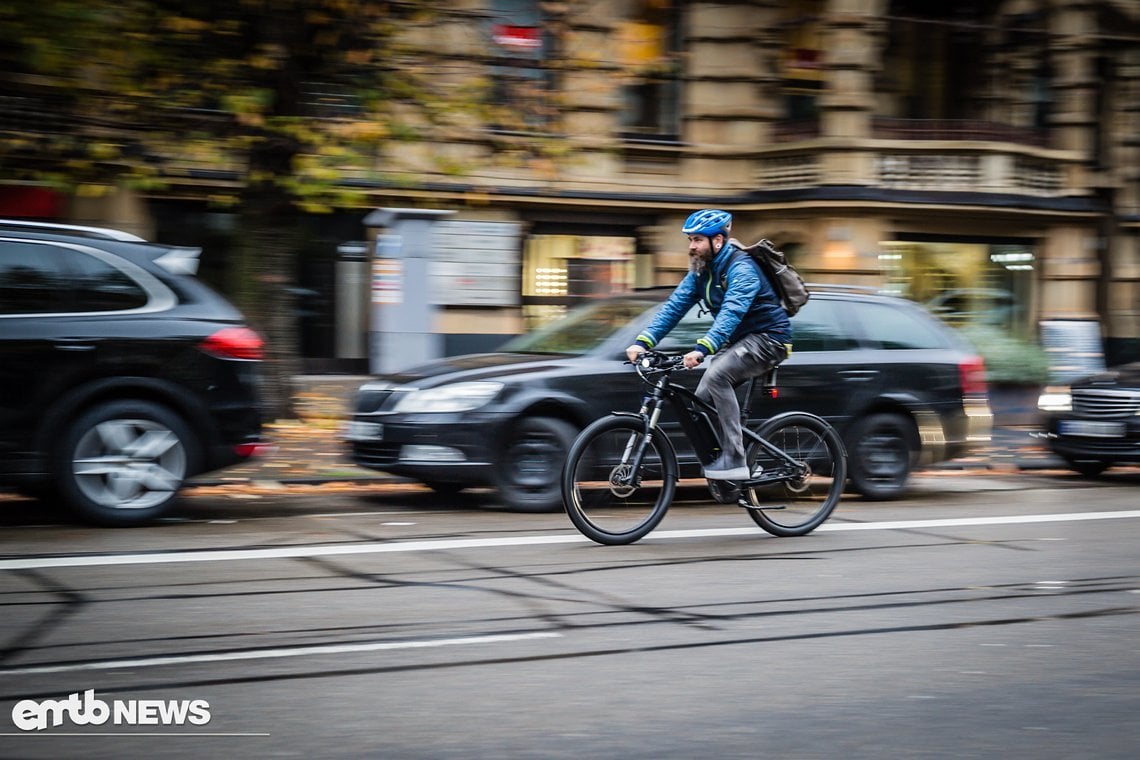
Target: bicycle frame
[685,402]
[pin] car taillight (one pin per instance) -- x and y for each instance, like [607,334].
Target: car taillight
[234,343]
[972,374]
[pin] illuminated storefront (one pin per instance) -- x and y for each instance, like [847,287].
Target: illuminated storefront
[560,270]
[966,282]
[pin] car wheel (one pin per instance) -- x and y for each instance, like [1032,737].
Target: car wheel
[1090,468]
[531,464]
[880,455]
[122,463]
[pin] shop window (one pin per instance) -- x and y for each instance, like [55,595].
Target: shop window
[561,270]
[988,284]
[648,45]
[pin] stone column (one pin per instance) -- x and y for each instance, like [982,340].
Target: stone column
[1072,266]
[723,112]
[1071,270]
[1073,25]
[1123,292]
[851,31]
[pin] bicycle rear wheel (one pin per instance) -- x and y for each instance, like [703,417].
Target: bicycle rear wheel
[800,503]
[605,499]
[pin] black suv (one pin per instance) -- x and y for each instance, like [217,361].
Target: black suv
[121,375]
[902,388]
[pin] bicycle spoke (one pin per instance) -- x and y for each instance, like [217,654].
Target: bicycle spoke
[611,494]
[797,505]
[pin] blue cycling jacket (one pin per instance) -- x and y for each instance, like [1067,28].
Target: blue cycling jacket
[737,293]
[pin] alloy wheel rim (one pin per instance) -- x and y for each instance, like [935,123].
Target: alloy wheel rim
[129,464]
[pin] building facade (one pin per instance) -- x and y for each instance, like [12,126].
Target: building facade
[981,156]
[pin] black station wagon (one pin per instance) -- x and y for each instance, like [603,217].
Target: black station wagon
[902,388]
[121,375]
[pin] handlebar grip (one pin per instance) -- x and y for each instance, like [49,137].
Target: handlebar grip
[656,360]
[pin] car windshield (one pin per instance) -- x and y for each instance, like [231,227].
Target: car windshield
[582,330]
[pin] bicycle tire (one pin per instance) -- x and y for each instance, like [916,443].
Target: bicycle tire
[601,505]
[796,507]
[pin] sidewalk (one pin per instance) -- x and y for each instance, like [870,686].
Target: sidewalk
[309,450]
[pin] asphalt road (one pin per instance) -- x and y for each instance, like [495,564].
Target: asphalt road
[983,617]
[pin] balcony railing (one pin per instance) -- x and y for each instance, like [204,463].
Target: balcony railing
[793,131]
[922,154]
[956,129]
[994,172]
[921,129]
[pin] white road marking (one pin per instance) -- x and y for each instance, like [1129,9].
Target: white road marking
[265,654]
[451,544]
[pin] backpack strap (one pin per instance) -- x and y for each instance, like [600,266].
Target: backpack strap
[742,251]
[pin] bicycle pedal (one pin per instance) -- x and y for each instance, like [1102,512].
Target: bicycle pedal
[766,478]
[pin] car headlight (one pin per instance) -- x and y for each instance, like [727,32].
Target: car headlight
[460,397]
[1055,400]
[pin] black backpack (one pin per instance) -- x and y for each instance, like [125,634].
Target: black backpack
[786,281]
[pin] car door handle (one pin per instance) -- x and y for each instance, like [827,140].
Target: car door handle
[75,344]
[859,375]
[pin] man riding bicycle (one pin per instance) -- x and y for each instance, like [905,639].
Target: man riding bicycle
[750,333]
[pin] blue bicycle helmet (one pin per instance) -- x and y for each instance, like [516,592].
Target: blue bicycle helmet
[708,222]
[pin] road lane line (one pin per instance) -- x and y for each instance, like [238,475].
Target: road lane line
[451,544]
[265,654]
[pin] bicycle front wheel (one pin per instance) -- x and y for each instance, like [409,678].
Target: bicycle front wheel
[618,480]
[799,503]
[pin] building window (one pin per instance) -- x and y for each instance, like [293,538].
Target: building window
[519,48]
[934,62]
[648,45]
[801,62]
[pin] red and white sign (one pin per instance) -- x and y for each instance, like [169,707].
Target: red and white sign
[518,37]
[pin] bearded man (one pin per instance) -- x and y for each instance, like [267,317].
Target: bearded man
[750,333]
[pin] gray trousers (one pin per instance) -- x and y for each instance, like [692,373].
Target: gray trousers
[751,356]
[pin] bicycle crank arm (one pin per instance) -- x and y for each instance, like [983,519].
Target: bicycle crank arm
[767,478]
[749,505]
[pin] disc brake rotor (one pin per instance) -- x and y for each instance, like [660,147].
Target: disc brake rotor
[620,481]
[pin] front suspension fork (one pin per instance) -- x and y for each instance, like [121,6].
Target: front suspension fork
[635,447]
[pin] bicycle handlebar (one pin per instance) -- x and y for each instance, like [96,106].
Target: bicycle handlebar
[655,361]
